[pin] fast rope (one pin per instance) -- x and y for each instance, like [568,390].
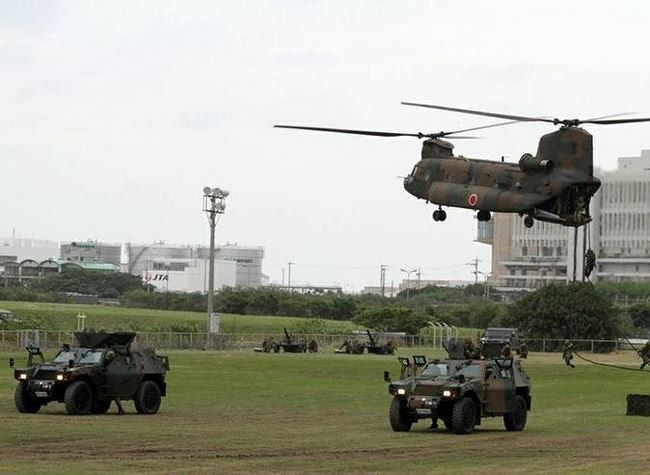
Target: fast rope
[606,364]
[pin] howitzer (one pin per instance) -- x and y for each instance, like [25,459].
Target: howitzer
[289,337]
[371,340]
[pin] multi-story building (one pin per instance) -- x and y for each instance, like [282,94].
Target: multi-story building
[91,251]
[619,235]
[184,267]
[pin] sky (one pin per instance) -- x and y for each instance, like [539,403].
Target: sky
[116,114]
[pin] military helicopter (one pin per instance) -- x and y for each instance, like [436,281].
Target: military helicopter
[554,185]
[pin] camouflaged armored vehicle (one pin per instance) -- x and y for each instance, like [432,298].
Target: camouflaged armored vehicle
[86,378]
[459,391]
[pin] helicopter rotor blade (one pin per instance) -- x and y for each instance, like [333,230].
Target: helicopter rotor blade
[373,133]
[482,127]
[608,116]
[615,121]
[516,118]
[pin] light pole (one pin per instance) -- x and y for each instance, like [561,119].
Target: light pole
[408,280]
[213,204]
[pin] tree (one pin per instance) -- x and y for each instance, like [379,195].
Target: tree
[572,311]
[640,314]
[392,319]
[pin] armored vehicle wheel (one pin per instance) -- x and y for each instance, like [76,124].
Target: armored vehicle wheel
[516,420]
[399,417]
[78,398]
[463,417]
[100,407]
[25,403]
[147,398]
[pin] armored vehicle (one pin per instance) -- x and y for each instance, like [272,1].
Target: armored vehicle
[459,391]
[86,378]
[494,339]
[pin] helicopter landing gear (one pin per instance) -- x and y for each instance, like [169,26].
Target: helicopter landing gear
[439,215]
[528,221]
[483,215]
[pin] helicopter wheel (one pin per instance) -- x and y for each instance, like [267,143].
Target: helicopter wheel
[483,215]
[439,215]
[528,221]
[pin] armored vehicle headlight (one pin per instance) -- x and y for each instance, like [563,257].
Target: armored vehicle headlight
[60,377]
[447,393]
[22,376]
[401,391]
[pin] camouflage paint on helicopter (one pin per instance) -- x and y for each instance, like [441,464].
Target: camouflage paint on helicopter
[555,185]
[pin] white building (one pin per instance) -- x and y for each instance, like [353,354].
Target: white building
[619,235]
[18,250]
[185,268]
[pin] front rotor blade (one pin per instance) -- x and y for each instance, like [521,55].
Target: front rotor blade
[483,127]
[352,131]
[615,121]
[445,137]
[518,118]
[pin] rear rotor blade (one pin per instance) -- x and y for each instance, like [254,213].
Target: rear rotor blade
[518,118]
[373,133]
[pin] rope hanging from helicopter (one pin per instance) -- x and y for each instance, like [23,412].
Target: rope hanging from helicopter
[610,365]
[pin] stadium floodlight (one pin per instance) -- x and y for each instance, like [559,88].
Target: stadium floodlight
[213,205]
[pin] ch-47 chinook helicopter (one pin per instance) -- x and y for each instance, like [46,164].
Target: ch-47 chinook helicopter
[554,185]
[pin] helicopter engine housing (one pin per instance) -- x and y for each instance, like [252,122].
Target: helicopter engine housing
[530,163]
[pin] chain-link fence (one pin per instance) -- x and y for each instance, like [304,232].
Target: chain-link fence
[15,340]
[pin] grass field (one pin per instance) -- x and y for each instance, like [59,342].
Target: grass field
[63,317]
[284,413]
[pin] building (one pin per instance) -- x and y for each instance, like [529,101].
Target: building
[91,251]
[185,267]
[619,235]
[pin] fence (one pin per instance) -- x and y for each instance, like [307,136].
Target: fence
[16,340]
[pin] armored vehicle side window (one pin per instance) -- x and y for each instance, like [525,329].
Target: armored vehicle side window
[65,356]
[470,371]
[436,370]
[91,357]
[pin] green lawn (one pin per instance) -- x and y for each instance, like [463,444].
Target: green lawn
[235,412]
[56,316]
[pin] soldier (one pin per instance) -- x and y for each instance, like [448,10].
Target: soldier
[523,351]
[644,353]
[118,403]
[469,349]
[567,354]
[506,352]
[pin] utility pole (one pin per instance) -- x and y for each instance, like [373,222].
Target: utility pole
[289,275]
[408,280]
[213,204]
[474,264]
[382,279]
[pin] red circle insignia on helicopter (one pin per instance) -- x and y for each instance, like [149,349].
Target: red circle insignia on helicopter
[472,199]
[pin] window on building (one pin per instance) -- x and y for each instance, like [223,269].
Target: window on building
[547,251]
[524,251]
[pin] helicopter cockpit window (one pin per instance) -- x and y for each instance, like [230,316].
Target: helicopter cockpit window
[419,173]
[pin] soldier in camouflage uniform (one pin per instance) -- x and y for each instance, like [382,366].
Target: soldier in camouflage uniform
[567,354]
[506,352]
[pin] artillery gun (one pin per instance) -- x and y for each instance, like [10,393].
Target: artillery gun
[103,367]
[459,391]
[374,347]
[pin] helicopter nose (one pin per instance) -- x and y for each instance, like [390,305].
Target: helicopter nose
[408,183]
